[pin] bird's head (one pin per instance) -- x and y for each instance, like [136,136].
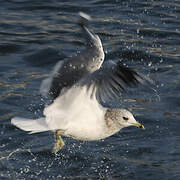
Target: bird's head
[125,118]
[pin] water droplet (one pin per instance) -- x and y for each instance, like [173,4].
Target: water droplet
[150,64]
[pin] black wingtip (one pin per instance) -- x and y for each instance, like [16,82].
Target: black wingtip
[83,19]
[133,78]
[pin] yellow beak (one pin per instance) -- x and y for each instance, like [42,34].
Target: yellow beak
[139,125]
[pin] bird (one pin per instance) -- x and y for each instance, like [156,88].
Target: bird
[77,110]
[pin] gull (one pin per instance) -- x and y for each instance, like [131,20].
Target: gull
[77,111]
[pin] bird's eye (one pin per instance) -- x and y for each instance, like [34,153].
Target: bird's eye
[125,118]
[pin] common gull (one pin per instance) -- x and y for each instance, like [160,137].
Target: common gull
[77,110]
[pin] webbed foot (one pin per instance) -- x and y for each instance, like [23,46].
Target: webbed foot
[59,142]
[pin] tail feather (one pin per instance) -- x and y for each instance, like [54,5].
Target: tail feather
[32,125]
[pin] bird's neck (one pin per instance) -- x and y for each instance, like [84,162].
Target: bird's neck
[112,125]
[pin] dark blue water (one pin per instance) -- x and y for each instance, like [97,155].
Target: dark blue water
[145,35]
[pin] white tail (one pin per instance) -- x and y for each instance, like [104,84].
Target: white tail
[32,125]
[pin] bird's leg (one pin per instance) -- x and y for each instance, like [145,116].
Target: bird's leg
[59,142]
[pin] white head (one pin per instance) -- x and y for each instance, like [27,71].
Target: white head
[124,118]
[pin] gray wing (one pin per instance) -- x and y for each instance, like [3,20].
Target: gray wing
[68,72]
[111,79]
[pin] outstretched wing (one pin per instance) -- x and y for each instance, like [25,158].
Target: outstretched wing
[111,79]
[68,72]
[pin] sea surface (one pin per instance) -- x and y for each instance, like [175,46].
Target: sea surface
[144,35]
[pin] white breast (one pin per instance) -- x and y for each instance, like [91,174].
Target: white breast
[78,115]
